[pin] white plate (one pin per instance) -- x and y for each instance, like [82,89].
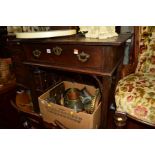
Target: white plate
[45,34]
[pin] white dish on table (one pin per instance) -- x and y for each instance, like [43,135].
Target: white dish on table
[45,34]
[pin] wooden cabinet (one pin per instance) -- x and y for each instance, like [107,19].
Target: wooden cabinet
[21,71]
[37,60]
[9,117]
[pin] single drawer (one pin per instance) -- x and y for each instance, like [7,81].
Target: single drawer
[75,56]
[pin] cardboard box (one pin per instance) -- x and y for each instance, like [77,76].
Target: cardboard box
[68,117]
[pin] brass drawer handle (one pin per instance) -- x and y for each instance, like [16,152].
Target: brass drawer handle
[57,50]
[83,57]
[36,53]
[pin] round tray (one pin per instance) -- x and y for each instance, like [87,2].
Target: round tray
[45,34]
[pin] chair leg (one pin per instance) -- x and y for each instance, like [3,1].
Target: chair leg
[120,120]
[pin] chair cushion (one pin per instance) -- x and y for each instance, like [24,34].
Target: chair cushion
[135,95]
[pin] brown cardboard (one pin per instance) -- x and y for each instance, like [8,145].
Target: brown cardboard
[68,117]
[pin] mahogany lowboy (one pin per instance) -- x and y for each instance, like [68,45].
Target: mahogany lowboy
[100,59]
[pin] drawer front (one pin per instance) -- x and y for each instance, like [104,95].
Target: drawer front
[75,56]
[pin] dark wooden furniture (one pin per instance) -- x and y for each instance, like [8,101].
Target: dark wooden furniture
[9,117]
[36,61]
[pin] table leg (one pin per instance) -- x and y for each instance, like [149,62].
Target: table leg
[105,88]
[106,83]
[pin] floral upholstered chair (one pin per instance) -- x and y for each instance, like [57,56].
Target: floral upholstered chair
[135,93]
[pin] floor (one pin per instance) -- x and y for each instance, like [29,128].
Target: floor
[11,119]
[131,124]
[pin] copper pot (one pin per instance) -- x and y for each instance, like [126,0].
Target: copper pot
[72,99]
